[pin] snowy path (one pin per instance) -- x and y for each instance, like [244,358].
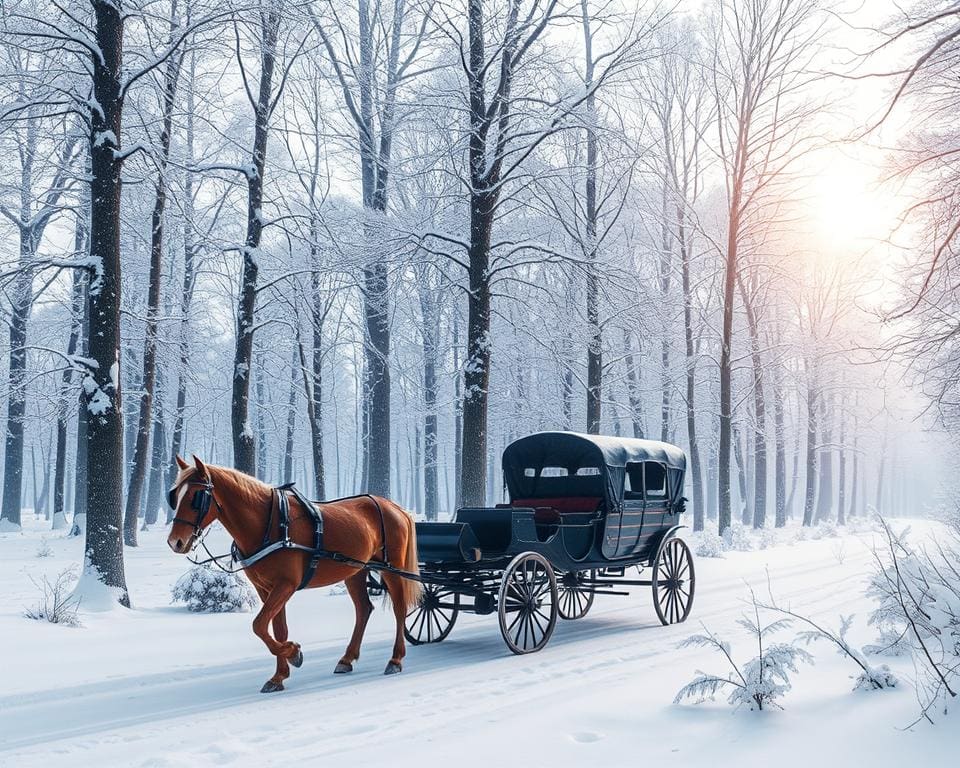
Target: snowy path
[161,687]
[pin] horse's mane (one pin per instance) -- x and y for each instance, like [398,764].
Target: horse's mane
[245,484]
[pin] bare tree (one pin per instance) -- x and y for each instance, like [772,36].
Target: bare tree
[759,70]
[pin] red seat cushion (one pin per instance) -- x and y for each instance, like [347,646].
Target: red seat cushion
[550,510]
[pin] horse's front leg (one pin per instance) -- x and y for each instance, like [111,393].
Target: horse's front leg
[274,608]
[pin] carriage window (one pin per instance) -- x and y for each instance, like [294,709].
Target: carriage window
[561,472]
[655,480]
[645,476]
[634,482]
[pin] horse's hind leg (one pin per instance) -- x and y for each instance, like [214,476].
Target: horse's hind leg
[394,585]
[357,588]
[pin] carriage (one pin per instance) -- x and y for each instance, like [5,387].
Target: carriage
[583,511]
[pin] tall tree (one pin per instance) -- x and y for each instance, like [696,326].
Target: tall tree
[759,71]
[141,451]
[40,189]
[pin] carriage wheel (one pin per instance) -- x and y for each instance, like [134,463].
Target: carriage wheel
[527,604]
[673,582]
[574,599]
[431,620]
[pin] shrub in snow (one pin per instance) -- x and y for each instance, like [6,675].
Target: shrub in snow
[769,537]
[207,590]
[825,529]
[709,543]
[869,678]
[874,678]
[737,538]
[56,605]
[43,548]
[918,596]
[757,683]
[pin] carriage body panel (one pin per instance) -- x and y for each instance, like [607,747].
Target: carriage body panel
[582,501]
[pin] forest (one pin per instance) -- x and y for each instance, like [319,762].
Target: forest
[365,244]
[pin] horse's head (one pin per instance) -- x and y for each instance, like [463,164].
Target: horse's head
[193,505]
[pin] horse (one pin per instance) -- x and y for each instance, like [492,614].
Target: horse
[362,529]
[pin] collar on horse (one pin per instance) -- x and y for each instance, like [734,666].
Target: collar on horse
[203,498]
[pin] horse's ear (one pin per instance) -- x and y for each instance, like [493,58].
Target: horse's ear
[181,463]
[201,469]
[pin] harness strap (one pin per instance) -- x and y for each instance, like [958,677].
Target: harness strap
[317,551]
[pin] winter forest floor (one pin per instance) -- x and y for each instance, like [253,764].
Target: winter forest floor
[159,686]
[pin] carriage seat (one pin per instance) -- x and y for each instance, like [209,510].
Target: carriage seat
[551,510]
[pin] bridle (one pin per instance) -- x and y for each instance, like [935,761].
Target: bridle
[200,504]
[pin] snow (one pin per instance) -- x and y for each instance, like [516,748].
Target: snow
[161,686]
[91,594]
[105,138]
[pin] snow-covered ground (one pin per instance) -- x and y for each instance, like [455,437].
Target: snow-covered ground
[159,686]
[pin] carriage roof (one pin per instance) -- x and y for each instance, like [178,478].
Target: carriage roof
[573,450]
[577,449]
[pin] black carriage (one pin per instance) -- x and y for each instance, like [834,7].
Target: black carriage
[583,510]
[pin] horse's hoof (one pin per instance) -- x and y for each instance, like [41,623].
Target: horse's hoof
[271,687]
[342,669]
[297,659]
[392,668]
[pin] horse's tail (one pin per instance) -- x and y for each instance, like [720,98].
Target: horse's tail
[412,589]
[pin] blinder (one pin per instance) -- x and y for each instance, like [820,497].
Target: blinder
[200,503]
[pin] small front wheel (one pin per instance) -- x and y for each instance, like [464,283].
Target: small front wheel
[673,582]
[575,597]
[431,620]
[527,603]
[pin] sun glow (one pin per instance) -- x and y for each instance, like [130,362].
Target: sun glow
[849,207]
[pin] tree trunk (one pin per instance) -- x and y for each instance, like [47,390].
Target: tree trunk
[457,415]
[158,462]
[260,436]
[780,460]
[810,489]
[101,386]
[633,388]
[696,479]
[595,332]
[186,296]
[726,363]
[842,478]
[77,300]
[244,450]
[286,471]
[476,376]
[855,475]
[759,413]
[746,514]
[315,393]
[825,467]
[141,457]
[431,340]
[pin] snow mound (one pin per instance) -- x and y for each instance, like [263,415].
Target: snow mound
[7,526]
[91,594]
[206,590]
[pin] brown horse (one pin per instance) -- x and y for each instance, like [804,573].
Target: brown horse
[353,527]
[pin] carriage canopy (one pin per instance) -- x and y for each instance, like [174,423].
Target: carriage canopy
[548,464]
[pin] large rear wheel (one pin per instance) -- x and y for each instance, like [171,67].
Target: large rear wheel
[673,582]
[431,620]
[527,603]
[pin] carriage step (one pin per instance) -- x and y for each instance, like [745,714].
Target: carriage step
[614,571]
